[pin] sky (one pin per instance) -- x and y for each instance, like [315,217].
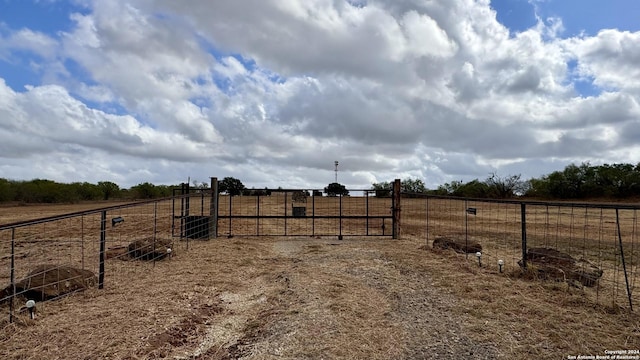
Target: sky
[273,92]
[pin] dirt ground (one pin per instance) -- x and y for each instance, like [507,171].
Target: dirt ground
[309,298]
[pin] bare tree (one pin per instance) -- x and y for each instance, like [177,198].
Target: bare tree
[505,187]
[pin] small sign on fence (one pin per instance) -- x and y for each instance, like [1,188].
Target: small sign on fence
[472,211]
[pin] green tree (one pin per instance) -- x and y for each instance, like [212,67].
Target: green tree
[231,186]
[335,189]
[473,189]
[570,183]
[165,190]
[448,188]
[617,180]
[538,188]
[7,190]
[109,189]
[409,186]
[86,191]
[382,189]
[40,191]
[414,186]
[144,191]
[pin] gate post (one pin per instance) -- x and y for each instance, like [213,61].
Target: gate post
[395,209]
[213,209]
[103,240]
[523,221]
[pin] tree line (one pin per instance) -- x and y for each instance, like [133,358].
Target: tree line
[584,181]
[48,191]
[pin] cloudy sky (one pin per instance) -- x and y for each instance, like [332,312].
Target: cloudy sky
[272,92]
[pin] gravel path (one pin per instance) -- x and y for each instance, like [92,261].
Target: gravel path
[328,284]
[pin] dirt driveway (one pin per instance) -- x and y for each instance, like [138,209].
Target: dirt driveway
[303,298]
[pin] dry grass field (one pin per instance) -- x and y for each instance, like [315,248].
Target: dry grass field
[321,298]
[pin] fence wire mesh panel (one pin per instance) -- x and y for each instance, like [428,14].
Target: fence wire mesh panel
[304,213]
[192,215]
[52,257]
[593,247]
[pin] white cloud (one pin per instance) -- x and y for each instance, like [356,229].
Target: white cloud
[27,40]
[611,58]
[274,91]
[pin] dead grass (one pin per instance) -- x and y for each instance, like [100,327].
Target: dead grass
[527,318]
[308,298]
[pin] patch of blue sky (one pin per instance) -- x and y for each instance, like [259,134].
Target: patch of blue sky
[588,17]
[248,63]
[78,72]
[78,75]
[21,68]
[358,3]
[276,78]
[226,84]
[583,85]
[202,101]
[516,15]
[43,16]
[18,74]
[111,107]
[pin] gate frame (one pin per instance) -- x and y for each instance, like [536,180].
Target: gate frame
[394,212]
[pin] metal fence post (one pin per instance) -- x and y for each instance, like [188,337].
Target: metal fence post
[523,217]
[103,240]
[340,216]
[155,230]
[230,215]
[395,209]
[213,209]
[13,273]
[313,213]
[466,230]
[366,200]
[624,264]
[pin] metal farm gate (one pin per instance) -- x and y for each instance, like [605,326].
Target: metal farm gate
[285,212]
[192,210]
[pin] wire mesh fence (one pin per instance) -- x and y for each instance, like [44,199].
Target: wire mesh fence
[304,213]
[59,255]
[55,256]
[593,247]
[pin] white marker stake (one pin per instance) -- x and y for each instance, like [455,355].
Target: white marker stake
[31,306]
